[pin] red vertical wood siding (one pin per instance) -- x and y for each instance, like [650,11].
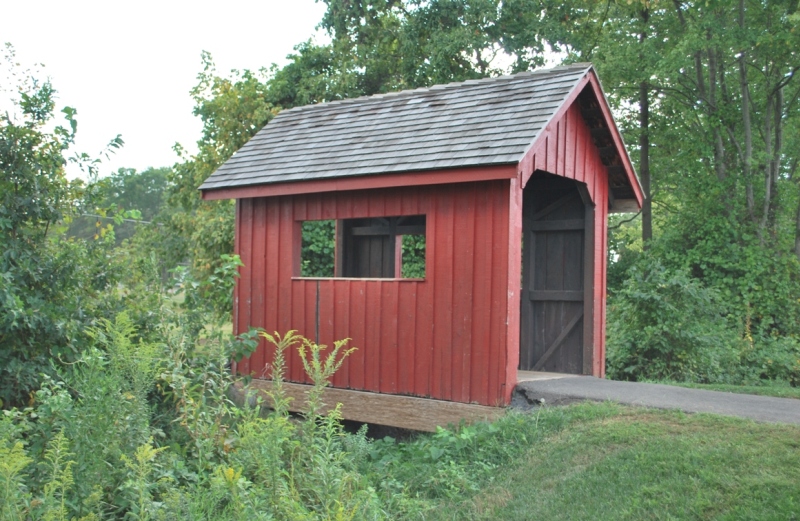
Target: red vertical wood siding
[570,139]
[444,337]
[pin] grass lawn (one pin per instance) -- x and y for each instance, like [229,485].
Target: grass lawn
[781,391]
[604,461]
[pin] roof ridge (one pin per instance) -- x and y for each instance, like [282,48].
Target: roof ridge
[440,87]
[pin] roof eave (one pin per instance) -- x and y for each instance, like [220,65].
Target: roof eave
[630,172]
[338,184]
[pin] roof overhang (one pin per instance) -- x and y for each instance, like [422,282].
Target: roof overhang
[625,190]
[418,178]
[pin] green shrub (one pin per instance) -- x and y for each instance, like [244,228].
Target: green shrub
[318,247]
[663,324]
[52,287]
[413,256]
[770,359]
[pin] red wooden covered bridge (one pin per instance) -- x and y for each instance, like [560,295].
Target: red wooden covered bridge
[506,181]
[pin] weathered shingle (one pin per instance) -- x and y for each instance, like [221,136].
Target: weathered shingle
[476,122]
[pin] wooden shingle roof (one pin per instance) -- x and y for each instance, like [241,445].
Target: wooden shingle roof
[473,123]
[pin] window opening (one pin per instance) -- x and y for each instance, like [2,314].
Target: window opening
[373,247]
[318,248]
[413,259]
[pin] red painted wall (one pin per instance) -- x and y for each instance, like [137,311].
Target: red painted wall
[444,337]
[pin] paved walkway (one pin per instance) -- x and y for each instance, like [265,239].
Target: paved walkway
[562,391]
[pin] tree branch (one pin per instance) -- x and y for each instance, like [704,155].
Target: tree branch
[626,221]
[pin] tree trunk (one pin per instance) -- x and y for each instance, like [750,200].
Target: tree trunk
[746,125]
[776,160]
[768,186]
[719,146]
[797,233]
[644,162]
[644,148]
[792,172]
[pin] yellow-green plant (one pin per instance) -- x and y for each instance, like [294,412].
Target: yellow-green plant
[58,467]
[14,498]
[136,362]
[139,482]
[280,402]
[321,369]
[309,473]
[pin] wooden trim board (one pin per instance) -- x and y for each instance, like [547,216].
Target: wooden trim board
[531,376]
[406,412]
[337,184]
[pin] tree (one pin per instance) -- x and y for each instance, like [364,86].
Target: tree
[232,111]
[126,189]
[49,283]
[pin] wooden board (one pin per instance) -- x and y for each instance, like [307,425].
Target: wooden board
[423,178]
[534,376]
[406,412]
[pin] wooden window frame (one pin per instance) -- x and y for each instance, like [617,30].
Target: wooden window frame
[395,230]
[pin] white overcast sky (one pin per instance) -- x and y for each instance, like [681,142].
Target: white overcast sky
[127,67]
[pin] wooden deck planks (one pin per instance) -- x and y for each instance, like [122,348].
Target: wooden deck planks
[406,412]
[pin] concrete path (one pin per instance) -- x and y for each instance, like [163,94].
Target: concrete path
[562,391]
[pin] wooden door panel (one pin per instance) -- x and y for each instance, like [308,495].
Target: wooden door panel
[573,261]
[553,292]
[554,260]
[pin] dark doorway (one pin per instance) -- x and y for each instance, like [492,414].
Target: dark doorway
[557,273]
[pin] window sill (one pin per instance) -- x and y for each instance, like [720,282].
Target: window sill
[383,279]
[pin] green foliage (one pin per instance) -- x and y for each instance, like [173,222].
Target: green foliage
[50,285]
[770,359]
[232,109]
[664,324]
[413,256]
[117,195]
[452,462]
[318,248]
[755,285]
[141,430]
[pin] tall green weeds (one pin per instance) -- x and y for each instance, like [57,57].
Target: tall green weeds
[141,426]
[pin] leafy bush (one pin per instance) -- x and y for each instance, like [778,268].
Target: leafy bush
[451,461]
[770,359]
[413,256]
[51,287]
[757,278]
[318,247]
[91,446]
[663,324]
